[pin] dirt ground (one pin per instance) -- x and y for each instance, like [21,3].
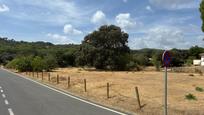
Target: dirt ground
[122,89]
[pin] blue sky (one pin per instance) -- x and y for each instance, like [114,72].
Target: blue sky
[160,24]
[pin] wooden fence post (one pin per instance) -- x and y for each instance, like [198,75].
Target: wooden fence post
[57,79]
[37,74]
[68,82]
[85,85]
[108,90]
[48,76]
[33,74]
[138,97]
[42,75]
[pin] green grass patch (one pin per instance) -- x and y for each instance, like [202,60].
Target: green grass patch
[199,89]
[190,97]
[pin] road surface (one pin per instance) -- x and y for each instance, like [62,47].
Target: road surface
[20,96]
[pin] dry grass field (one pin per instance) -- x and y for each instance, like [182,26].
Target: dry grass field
[122,89]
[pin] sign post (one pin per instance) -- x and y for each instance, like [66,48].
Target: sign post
[166,58]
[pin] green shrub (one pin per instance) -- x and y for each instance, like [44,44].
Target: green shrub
[38,64]
[190,97]
[199,89]
[12,64]
[189,62]
[33,64]
[21,64]
[50,63]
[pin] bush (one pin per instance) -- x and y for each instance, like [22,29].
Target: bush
[199,89]
[157,65]
[50,63]
[38,64]
[141,60]
[156,61]
[191,97]
[33,64]
[21,64]
[189,62]
[12,64]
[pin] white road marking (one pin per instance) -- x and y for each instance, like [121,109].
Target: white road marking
[10,111]
[3,95]
[6,102]
[77,98]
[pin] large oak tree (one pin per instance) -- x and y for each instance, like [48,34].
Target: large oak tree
[105,48]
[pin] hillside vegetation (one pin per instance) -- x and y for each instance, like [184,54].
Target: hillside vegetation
[105,49]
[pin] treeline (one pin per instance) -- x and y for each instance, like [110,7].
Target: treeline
[25,56]
[105,49]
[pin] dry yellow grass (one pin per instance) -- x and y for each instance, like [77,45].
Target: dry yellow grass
[122,92]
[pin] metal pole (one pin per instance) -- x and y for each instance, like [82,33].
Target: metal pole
[165,92]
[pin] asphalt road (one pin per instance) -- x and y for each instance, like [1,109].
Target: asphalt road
[19,96]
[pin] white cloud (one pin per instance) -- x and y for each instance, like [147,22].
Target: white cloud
[175,4]
[60,39]
[162,37]
[57,12]
[4,8]
[149,8]
[99,18]
[68,29]
[125,21]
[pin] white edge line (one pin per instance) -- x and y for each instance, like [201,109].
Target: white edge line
[10,111]
[69,94]
[6,102]
[3,95]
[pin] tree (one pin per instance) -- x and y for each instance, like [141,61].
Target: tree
[50,62]
[21,64]
[38,64]
[86,55]
[157,60]
[65,58]
[141,59]
[105,48]
[195,51]
[12,64]
[6,57]
[202,13]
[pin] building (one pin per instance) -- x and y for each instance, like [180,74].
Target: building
[196,62]
[200,62]
[202,59]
